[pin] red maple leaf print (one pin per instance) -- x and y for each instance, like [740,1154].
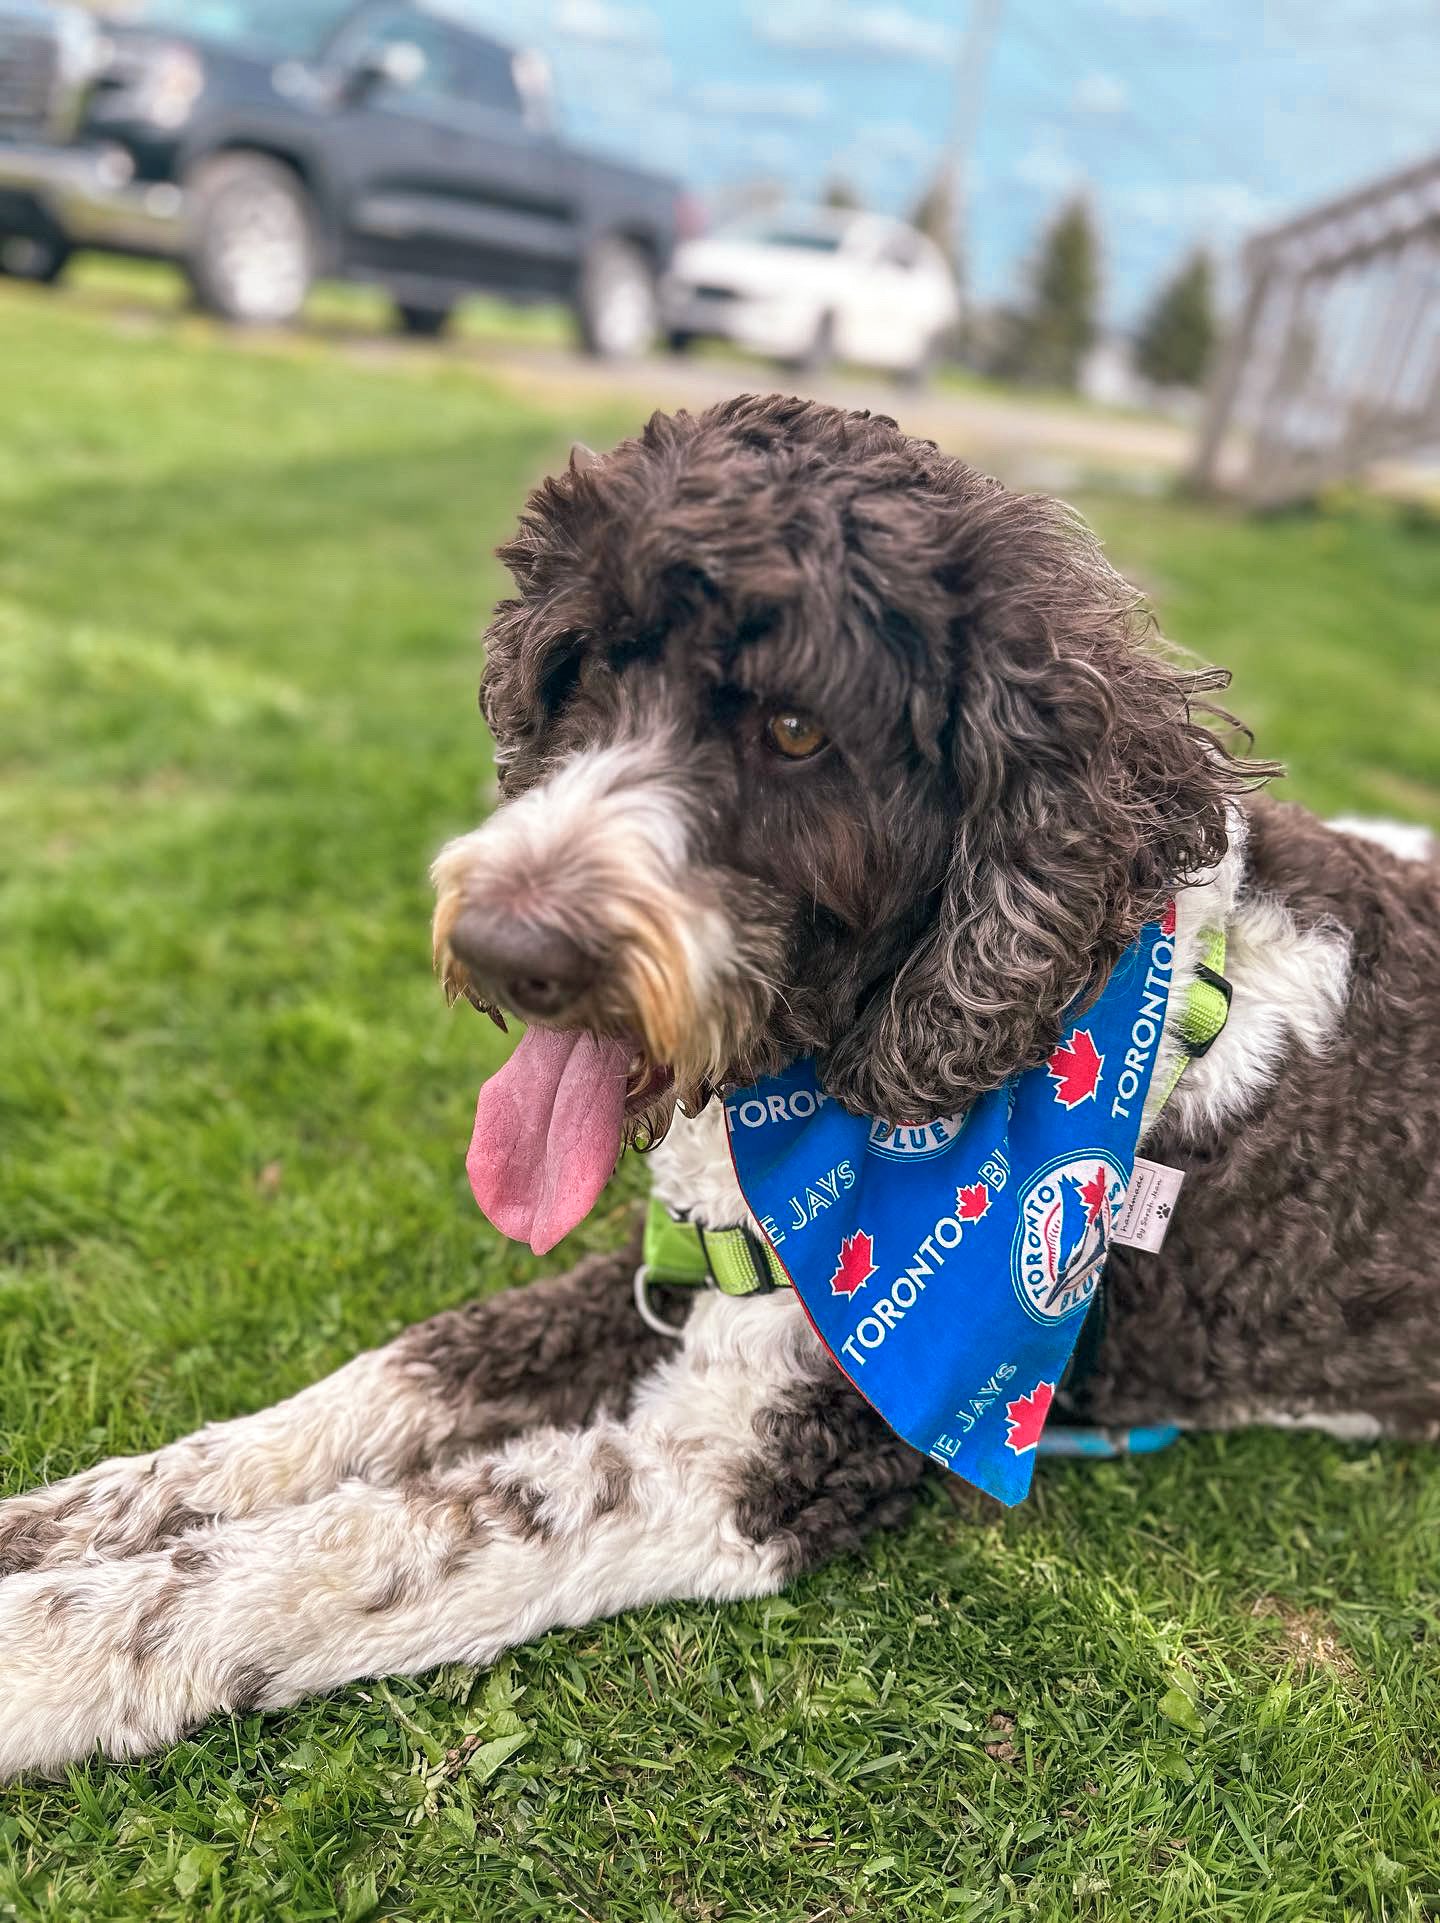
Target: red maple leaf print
[1075,1068]
[856,1264]
[1167,921]
[972,1202]
[1026,1417]
[1092,1194]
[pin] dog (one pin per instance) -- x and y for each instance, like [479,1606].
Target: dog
[812,741]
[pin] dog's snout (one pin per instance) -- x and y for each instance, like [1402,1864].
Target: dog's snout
[535,969]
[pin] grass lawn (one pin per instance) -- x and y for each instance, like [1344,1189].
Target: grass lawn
[239,596]
[334,308]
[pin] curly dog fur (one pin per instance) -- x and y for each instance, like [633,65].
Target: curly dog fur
[997,777]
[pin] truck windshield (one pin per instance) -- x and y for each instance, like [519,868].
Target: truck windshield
[295,29]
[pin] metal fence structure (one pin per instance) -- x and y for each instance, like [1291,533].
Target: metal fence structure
[1335,361]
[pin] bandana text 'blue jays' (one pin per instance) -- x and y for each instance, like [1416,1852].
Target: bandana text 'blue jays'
[948,1266]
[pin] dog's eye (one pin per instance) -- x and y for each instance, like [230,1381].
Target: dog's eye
[795,736]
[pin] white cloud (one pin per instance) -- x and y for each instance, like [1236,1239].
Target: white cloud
[762,100]
[600,74]
[606,21]
[897,140]
[774,153]
[497,16]
[1047,166]
[887,162]
[1218,208]
[1100,93]
[843,26]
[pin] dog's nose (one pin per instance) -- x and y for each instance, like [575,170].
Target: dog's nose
[536,970]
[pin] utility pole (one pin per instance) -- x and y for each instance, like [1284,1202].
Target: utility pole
[970,67]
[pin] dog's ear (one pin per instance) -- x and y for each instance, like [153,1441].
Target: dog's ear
[1087,789]
[534,641]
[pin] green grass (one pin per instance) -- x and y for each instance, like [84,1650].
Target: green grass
[239,596]
[341,312]
[334,308]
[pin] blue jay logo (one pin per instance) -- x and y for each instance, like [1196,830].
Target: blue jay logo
[1063,1234]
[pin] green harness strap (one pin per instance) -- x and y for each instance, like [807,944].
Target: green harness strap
[739,1262]
[1206,1010]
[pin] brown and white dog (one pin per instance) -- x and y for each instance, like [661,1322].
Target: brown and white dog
[812,740]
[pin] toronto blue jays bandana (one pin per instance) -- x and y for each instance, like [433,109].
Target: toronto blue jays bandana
[948,1266]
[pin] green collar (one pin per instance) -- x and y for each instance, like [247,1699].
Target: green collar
[735,1261]
[739,1262]
[1206,1010]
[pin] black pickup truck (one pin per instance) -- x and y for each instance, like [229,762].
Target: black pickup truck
[264,143]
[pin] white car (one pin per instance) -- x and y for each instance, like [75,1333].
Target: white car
[814,285]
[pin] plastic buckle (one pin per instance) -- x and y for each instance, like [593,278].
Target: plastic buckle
[755,1249]
[1214,980]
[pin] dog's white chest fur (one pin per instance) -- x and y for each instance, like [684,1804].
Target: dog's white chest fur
[693,1175]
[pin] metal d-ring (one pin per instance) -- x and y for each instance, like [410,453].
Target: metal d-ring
[647,1314]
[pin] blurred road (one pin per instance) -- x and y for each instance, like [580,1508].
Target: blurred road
[1034,439]
[1011,432]
[1030,439]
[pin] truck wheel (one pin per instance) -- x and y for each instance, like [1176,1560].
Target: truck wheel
[618,305]
[425,323]
[23,257]
[251,255]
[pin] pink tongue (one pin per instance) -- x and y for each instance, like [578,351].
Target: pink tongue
[547,1133]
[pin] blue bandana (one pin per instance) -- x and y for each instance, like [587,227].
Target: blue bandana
[948,1266]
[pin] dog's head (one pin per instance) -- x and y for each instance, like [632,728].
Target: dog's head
[814,740]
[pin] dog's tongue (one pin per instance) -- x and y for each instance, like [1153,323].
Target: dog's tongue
[547,1133]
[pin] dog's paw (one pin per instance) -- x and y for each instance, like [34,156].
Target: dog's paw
[108,1656]
[29,1532]
[120,1508]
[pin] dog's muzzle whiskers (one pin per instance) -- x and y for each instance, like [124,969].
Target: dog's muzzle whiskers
[590,874]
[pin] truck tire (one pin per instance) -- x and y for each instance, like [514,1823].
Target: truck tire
[424,323]
[26,257]
[251,253]
[617,304]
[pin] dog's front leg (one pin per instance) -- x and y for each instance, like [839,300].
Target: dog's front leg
[554,1352]
[742,1460]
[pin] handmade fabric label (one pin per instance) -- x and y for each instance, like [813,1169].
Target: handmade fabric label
[1149,1205]
[948,1265]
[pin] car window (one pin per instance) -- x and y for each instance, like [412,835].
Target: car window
[768,232]
[487,77]
[388,26]
[812,242]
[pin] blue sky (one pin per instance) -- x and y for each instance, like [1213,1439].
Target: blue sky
[1185,122]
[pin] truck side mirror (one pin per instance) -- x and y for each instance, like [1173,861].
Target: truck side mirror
[397,63]
[536,87]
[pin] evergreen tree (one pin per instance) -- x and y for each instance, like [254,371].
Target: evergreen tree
[1057,327]
[840,195]
[1177,336]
